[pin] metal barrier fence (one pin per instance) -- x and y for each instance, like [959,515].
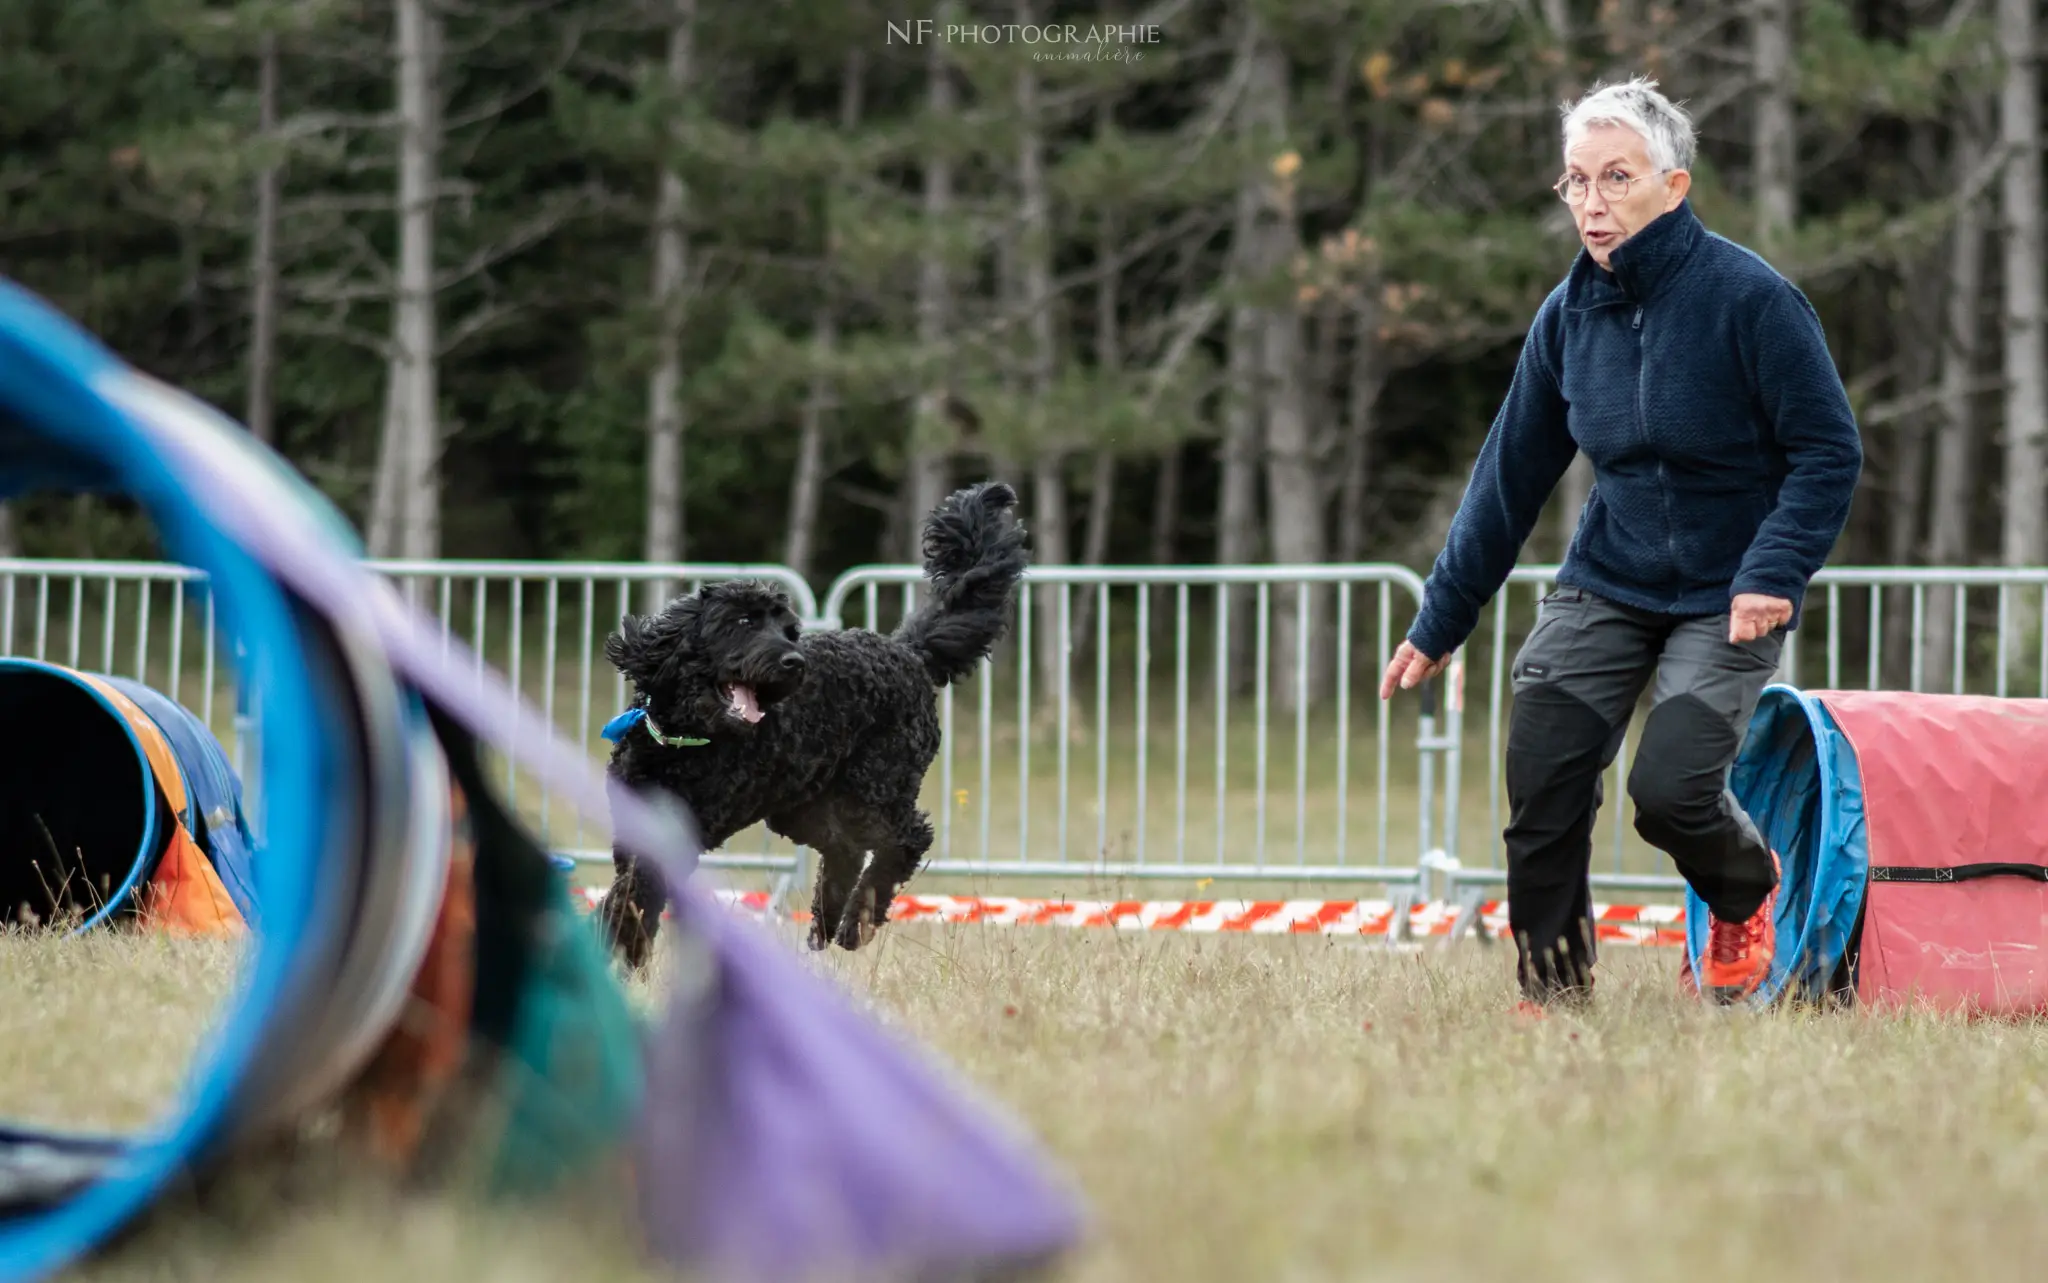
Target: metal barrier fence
[1363,809]
[1117,702]
[1185,722]
[1954,630]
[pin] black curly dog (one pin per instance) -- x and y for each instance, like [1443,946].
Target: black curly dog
[825,736]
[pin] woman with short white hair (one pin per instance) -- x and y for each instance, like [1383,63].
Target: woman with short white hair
[1697,381]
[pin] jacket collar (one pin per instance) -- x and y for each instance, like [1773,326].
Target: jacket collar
[1644,264]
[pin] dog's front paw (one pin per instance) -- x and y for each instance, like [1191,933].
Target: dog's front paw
[858,922]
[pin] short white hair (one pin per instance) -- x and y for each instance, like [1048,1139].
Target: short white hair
[1663,125]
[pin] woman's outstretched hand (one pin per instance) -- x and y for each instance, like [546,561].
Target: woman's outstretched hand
[1409,669]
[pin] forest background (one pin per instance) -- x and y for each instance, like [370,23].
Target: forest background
[1224,281]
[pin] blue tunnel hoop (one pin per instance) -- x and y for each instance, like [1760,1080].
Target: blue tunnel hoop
[1797,775]
[54,381]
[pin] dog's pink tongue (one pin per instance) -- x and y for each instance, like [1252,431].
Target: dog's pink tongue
[744,704]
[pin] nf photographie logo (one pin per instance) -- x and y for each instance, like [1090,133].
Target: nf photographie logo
[1062,40]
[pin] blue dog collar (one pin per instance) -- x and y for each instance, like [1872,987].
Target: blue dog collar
[615,730]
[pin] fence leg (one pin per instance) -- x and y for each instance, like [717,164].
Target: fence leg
[1454,760]
[1467,918]
[1401,923]
[1430,745]
[791,881]
[1425,785]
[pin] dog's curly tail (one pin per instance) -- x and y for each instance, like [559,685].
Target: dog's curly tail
[974,555]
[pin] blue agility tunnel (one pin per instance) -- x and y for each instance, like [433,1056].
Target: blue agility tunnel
[117,804]
[1912,831]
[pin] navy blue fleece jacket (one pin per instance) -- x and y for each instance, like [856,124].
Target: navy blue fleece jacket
[1698,382]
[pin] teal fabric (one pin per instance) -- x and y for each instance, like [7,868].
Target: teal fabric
[573,1074]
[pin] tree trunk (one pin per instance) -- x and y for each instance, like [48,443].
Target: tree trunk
[1367,378]
[807,486]
[2025,536]
[1102,474]
[380,535]
[1034,279]
[1774,145]
[1904,518]
[1094,551]
[807,483]
[1161,547]
[1109,364]
[1920,336]
[409,481]
[1237,518]
[1049,528]
[1294,492]
[1322,323]
[665,475]
[929,474]
[1101,507]
[1327,420]
[261,407]
[1956,483]
[1237,515]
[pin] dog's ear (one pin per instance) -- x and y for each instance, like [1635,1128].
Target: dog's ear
[644,645]
[623,647]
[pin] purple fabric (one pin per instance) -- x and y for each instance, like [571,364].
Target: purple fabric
[803,1139]
[786,1132]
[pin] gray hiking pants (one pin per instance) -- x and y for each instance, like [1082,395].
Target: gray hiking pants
[1577,681]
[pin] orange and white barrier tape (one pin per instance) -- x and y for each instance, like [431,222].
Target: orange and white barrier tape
[1625,924]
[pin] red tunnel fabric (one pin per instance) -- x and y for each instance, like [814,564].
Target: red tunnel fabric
[1951,781]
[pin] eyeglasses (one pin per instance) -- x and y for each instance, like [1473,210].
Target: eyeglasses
[1614,185]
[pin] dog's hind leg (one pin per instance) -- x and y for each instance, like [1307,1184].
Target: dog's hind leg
[902,846]
[840,855]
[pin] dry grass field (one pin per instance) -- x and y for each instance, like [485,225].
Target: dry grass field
[1236,1110]
[1240,1109]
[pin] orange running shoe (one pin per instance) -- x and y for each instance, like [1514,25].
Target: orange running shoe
[1739,953]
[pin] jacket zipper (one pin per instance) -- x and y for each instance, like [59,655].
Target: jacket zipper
[1643,426]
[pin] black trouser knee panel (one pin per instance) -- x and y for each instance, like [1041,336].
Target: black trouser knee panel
[1679,787]
[1680,769]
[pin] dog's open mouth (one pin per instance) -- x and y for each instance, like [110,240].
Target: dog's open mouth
[740,702]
